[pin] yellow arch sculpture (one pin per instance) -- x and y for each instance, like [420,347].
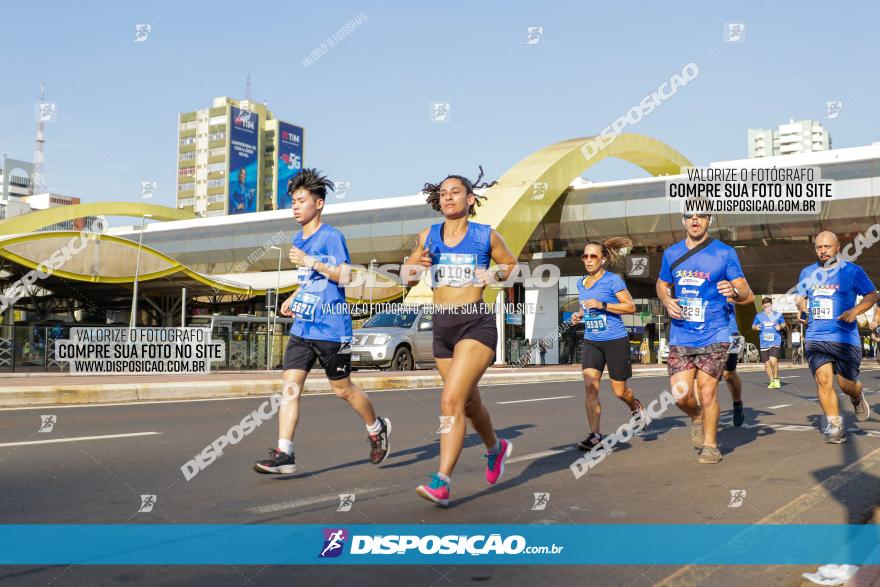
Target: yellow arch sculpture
[36,220]
[517,204]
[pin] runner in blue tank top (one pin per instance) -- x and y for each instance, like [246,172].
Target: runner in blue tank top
[827,290]
[322,325]
[603,298]
[768,324]
[695,291]
[457,254]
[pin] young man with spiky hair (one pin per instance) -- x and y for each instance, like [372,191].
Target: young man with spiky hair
[322,324]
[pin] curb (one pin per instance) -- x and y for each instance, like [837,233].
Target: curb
[78,394]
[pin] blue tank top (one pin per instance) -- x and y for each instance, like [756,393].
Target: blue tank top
[456,266]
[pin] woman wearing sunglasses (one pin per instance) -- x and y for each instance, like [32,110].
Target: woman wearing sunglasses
[603,299]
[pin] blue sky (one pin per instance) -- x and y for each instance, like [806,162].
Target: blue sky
[365,104]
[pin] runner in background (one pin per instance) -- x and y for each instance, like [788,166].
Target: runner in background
[769,324]
[731,378]
[603,298]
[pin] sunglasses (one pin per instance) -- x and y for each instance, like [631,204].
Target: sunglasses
[587,257]
[700,216]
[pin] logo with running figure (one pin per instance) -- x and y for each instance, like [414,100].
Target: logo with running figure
[737,497]
[334,542]
[47,423]
[541,501]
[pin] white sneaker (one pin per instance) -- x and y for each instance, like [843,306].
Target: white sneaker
[834,432]
[832,574]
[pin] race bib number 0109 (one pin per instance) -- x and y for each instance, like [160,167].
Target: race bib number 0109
[692,309]
[455,269]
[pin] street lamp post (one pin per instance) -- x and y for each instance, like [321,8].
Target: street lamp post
[372,282]
[137,268]
[274,311]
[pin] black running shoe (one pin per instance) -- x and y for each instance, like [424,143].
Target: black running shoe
[279,463]
[380,444]
[738,416]
[590,441]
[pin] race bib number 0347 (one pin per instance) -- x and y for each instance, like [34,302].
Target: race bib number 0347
[822,309]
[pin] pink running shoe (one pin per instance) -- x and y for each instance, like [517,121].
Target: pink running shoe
[437,491]
[495,466]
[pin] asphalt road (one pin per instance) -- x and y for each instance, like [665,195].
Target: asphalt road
[778,459]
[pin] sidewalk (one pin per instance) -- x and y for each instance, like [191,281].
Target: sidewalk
[42,389]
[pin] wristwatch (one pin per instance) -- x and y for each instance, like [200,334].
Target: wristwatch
[604,305]
[735,293]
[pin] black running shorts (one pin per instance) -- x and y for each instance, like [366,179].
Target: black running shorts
[473,321]
[614,353]
[335,357]
[771,352]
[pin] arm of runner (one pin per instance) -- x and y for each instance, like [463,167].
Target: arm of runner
[285,307]
[664,292]
[624,305]
[504,259]
[341,274]
[875,321]
[867,301]
[417,261]
[736,291]
[756,323]
[577,317]
[780,324]
[864,287]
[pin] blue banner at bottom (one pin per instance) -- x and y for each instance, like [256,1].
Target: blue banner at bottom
[160,544]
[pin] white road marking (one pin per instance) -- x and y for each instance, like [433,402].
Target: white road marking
[789,377]
[298,503]
[779,406]
[78,438]
[536,455]
[537,399]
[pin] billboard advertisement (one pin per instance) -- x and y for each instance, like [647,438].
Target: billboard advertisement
[289,161]
[244,131]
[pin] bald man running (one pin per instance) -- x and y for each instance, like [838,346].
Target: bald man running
[827,290]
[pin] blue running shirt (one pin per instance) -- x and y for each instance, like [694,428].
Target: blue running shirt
[829,294]
[319,304]
[456,266]
[599,324]
[768,334]
[705,312]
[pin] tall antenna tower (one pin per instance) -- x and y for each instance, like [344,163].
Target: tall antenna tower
[247,87]
[38,180]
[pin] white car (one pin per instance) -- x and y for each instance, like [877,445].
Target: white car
[396,341]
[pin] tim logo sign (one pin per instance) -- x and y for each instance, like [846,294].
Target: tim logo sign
[334,542]
[244,119]
[289,137]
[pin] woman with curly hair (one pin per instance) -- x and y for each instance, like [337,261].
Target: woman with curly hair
[457,253]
